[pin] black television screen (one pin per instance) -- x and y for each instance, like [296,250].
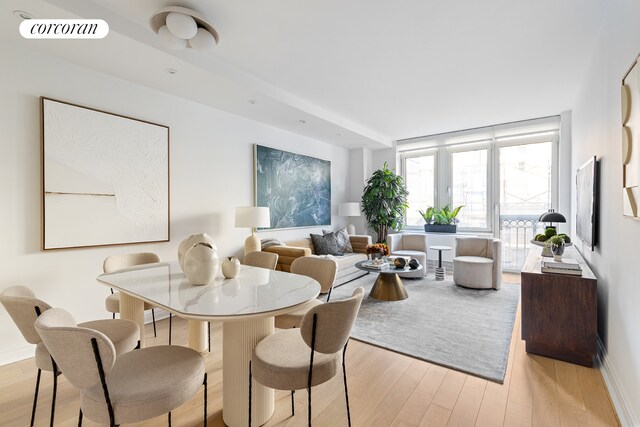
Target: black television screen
[587,203]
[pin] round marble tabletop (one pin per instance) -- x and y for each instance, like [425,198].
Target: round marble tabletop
[440,248]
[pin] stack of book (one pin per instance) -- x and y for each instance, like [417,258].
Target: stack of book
[376,265]
[566,266]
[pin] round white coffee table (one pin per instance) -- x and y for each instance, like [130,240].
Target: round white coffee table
[440,269]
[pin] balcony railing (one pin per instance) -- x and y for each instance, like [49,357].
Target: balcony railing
[516,233]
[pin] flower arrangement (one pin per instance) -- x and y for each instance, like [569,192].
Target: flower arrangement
[378,248]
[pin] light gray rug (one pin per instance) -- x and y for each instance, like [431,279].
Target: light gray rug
[464,329]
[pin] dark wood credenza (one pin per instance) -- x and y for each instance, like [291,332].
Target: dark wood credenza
[559,312]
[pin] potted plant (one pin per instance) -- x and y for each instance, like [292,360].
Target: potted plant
[557,244]
[441,221]
[384,202]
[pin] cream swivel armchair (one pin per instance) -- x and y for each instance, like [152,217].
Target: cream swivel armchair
[324,270]
[410,245]
[478,262]
[114,263]
[24,308]
[260,259]
[294,359]
[133,387]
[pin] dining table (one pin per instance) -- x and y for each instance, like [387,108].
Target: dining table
[246,306]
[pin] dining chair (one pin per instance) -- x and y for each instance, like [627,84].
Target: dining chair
[261,259]
[324,270]
[24,308]
[130,388]
[115,263]
[294,359]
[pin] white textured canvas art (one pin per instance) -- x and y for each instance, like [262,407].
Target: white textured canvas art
[105,178]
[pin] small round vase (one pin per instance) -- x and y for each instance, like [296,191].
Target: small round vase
[558,250]
[188,243]
[376,255]
[400,262]
[413,263]
[201,264]
[230,267]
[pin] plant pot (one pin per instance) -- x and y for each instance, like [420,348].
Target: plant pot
[440,228]
[558,250]
[376,255]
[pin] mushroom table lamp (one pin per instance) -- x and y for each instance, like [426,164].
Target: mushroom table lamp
[252,217]
[550,216]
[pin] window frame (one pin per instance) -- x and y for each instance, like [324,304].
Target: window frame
[435,152]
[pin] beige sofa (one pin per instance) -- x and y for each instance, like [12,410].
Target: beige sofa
[346,263]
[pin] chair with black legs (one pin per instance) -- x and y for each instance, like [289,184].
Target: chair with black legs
[115,263]
[295,359]
[133,387]
[324,270]
[24,308]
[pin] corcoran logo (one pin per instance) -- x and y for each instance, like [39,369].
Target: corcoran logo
[64,29]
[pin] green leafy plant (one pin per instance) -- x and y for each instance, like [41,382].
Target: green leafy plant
[444,216]
[384,202]
[556,240]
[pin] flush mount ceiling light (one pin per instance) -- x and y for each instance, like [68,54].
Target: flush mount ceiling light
[179,27]
[22,14]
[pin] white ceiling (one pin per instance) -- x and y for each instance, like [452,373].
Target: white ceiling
[359,72]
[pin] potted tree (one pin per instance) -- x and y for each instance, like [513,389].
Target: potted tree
[441,221]
[384,202]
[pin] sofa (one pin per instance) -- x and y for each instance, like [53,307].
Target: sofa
[304,247]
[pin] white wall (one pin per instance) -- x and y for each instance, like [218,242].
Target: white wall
[211,174]
[616,260]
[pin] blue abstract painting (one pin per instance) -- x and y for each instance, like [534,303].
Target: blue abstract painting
[296,188]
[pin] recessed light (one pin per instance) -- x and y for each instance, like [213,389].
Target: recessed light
[171,71]
[22,14]
[302,121]
[252,101]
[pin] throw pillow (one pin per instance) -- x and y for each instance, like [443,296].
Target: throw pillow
[344,243]
[265,243]
[325,245]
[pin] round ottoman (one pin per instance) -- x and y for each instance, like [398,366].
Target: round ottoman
[422,259]
[473,272]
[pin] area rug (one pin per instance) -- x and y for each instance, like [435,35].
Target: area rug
[467,330]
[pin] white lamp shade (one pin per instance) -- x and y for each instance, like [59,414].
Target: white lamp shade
[349,209]
[252,216]
[181,25]
[203,40]
[170,40]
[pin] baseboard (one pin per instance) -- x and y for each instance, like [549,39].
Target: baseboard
[619,400]
[17,354]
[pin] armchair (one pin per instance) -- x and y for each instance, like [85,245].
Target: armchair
[478,262]
[410,245]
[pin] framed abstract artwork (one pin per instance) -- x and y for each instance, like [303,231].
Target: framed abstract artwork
[105,178]
[630,109]
[296,188]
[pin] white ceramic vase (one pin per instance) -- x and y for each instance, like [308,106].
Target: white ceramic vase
[188,243]
[230,267]
[201,264]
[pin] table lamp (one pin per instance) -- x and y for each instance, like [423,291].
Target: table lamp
[550,216]
[252,217]
[349,209]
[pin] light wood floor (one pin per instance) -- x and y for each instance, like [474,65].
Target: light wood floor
[385,389]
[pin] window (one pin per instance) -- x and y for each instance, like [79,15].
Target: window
[499,173]
[420,178]
[469,187]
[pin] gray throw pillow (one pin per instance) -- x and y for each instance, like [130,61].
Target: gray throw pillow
[344,243]
[265,243]
[325,245]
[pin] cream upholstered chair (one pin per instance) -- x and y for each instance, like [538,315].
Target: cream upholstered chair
[115,263]
[23,307]
[294,359]
[478,262]
[323,270]
[133,387]
[260,259]
[410,245]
